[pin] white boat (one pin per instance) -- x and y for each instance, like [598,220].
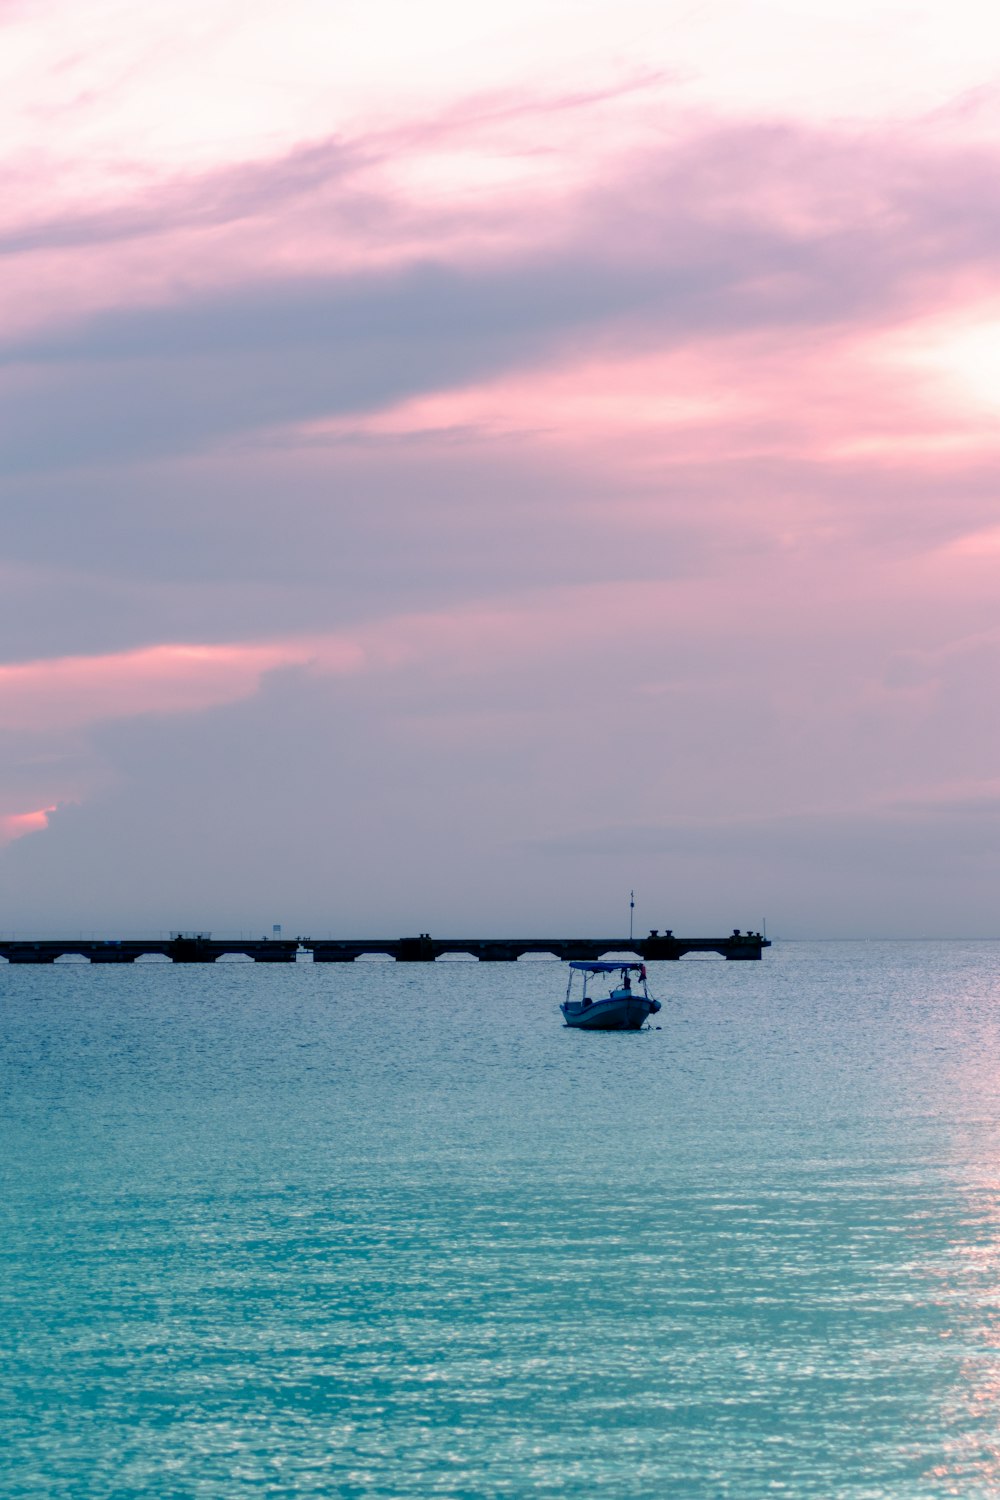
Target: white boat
[626,1008]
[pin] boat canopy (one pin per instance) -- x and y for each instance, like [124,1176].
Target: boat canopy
[604,965]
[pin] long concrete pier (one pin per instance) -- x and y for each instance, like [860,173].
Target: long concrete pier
[203,949]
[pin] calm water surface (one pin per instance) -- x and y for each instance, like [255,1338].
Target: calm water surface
[391,1230]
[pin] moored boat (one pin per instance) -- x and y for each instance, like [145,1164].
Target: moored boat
[626,1008]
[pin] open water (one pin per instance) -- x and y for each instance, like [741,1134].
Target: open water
[392,1231]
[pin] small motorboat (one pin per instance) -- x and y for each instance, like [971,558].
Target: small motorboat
[626,1008]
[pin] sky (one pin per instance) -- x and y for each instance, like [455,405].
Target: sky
[461,464]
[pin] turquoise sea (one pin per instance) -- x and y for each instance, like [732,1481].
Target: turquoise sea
[391,1230]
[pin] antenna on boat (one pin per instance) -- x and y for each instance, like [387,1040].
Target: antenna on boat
[631,909]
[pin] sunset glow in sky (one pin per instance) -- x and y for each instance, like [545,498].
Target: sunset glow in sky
[462,463]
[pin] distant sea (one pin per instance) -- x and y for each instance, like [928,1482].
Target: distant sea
[391,1230]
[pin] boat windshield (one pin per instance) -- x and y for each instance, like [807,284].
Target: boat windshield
[621,983]
[606,966]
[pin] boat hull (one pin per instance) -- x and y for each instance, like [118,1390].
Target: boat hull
[612,1014]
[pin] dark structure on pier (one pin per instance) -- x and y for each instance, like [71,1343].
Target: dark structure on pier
[201,948]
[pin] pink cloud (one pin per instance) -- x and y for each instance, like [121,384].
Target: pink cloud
[777,437]
[777,322]
[626,173]
[18,825]
[70,691]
